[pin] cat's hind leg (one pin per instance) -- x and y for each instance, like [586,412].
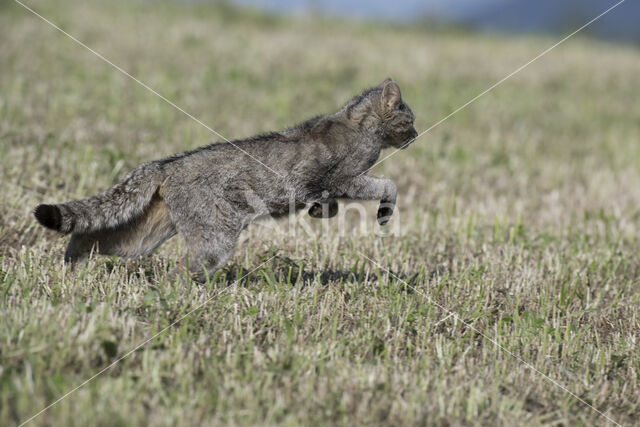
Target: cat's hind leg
[209,248]
[80,246]
[132,240]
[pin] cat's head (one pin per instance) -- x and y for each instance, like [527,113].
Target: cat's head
[381,111]
[397,117]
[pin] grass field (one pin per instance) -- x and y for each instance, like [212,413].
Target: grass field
[519,214]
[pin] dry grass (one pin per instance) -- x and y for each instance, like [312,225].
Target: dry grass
[519,214]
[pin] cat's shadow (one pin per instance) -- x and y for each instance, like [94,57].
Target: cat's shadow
[286,270]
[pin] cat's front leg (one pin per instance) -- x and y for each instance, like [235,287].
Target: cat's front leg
[365,187]
[324,209]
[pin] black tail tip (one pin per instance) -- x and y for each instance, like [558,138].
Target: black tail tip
[49,216]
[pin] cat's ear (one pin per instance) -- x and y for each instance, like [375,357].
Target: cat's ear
[391,94]
[384,83]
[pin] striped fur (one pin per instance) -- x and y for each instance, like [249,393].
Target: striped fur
[109,209]
[210,194]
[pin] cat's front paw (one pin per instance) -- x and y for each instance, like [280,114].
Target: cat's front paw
[385,211]
[326,209]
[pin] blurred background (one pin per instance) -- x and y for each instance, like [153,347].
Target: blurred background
[512,16]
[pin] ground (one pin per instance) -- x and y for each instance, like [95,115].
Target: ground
[507,290]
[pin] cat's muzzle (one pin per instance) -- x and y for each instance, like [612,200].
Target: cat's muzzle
[411,136]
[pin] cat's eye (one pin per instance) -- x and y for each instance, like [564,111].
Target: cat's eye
[401,107]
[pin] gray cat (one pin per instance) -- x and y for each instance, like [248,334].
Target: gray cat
[210,194]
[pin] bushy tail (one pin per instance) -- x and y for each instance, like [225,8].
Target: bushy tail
[118,205]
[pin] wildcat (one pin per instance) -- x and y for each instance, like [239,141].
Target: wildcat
[210,194]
